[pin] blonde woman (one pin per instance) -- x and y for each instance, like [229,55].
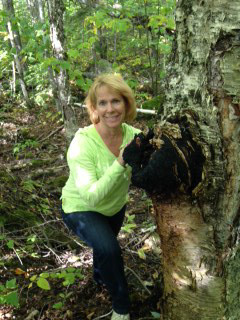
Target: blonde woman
[95,195]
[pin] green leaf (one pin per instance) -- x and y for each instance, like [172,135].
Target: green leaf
[33,278]
[129,227]
[65,65]
[12,299]
[141,254]
[79,275]
[58,305]
[11,284]
[155,315]
[77,74]
[171,23]
[2,287]
[43,284]
[69,279]
[44,275]
[54,275]
[100,18]
[73,53]
[62,274]
[80,82]
[32,238]
[10,244]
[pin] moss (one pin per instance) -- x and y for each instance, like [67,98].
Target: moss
[29,155]
[37,163]
[21,216]
[232,285]
[155,103]
[5,177]
[25,133]
[58,182]
[230,67]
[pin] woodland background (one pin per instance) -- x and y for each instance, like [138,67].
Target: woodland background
[50,52]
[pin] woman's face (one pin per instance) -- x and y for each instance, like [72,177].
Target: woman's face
[110,108]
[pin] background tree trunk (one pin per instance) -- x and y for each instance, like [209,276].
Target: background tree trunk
[34,9]
[61,80]
[15,42]
[200,233]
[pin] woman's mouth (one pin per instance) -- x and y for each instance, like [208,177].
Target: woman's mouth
[112,118]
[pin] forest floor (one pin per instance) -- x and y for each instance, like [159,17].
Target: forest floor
[49,268]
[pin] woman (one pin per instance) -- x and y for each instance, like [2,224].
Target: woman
[95,195]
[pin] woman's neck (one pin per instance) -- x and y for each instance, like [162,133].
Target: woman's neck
[112,138]
[108,133]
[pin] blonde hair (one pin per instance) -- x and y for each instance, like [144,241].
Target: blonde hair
[116,83]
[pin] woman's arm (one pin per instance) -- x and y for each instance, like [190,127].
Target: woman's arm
[81,161]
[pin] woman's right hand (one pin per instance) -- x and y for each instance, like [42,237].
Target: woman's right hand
[137,141]
[120,158]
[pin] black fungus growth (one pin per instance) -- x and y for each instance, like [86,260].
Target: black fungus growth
[177,164]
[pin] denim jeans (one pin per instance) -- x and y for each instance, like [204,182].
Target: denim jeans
[100,233]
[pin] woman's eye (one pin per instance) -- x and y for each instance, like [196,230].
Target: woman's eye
[102,103]
[116,101]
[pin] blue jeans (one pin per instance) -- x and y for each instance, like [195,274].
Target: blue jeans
[100,233]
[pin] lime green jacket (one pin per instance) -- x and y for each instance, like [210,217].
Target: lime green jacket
[97,182]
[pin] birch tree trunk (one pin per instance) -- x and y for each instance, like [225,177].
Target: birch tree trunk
[61,80]
[15,41]
[200,233]
[36,9]
[33,7]
[40,5]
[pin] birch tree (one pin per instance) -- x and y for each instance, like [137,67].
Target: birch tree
[200,232]
[61,79]
[36,9]
[15,42]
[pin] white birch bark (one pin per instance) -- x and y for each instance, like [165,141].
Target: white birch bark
[200,233]
[61,79]
[15,41]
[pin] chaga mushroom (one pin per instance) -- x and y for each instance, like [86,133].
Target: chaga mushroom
[166,161]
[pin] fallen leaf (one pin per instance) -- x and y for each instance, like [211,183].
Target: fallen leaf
[19,271]
[90,315]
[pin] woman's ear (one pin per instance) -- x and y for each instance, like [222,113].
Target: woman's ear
[95,117]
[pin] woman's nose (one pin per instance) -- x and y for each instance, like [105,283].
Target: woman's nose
[109,106]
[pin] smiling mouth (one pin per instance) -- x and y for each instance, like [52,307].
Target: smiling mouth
[112,117]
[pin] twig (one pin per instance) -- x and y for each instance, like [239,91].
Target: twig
[132,251]
[22,164]
[139,279]
[131,241]
[154,112]
[147,318]
[18,256]
[32,315]
[103,316]
[50,249]
[40,314]
[80,245]
[38,226]
[52,133]
[49,171]
[140,241]
[147,235]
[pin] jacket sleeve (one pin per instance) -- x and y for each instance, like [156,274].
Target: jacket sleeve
[82,166]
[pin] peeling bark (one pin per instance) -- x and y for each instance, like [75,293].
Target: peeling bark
[200,232]
[15,41]
[61,80]
[191,290]
[36,10]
